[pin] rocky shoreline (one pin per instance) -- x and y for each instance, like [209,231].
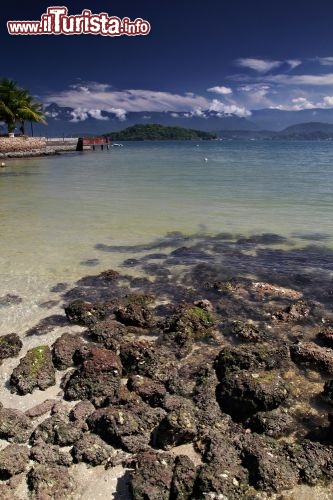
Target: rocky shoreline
[20,147]
[207,375]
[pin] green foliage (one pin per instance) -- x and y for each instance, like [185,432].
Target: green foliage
[155,132]
[17,106]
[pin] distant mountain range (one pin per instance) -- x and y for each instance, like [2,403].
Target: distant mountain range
[262,123]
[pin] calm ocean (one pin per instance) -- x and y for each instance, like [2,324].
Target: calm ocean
[57,213]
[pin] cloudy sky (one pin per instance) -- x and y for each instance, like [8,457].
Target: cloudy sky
[224,56]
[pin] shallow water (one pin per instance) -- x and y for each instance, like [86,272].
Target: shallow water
[66,216]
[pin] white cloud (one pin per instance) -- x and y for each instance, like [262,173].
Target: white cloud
[301,103]
[79,115]
[328,101]
[119,112]
[228,109]
[97,114]
[259,65]
[326,79]
[103,97]
[220,90]
[325,61]
[293,63]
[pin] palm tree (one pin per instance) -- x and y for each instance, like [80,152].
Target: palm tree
[17,106]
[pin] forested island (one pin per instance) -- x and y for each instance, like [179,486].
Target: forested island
[155,132]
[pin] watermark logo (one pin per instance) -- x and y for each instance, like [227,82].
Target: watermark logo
[57,22]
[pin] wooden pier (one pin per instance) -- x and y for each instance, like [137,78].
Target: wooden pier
[85,143]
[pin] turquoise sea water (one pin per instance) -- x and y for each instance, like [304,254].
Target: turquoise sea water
[55,210]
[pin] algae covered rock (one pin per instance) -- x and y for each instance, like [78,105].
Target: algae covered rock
[35,370]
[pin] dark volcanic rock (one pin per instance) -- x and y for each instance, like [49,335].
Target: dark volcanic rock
[64,349]
[275,423]
[45,453]
[149,390]
[269,465]
[146,358]
[10,346]
[91,449]
[197,322]
[109,333]
[295,312]
[13,460]
[86,313]
[14,425]
[98,377]
[314,461]
[222,472]
[328,390]
[135,315]
[241,394]
[56,430]
[127,427]
[326,337]
[153,477]
[81,412]
[34,370]
[310,355]
[252,358]
[183,478]
[178,427]
[50,482]
[246,332]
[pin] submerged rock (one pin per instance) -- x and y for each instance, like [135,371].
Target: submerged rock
[35,370]
[310,355]
[10,346]
[86,313]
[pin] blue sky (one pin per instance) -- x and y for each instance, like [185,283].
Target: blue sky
[225,56]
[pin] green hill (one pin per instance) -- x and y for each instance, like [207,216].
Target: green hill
[157,132]
[307,131]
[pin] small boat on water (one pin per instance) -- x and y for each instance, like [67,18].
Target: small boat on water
[116,145]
